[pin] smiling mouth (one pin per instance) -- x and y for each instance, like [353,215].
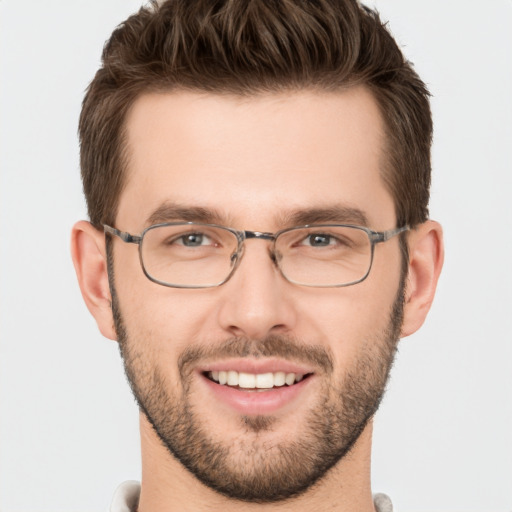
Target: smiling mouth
[255,381]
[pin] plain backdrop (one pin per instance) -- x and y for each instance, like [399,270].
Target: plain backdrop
[68,424]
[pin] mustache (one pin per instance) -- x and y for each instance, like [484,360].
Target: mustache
[271,346]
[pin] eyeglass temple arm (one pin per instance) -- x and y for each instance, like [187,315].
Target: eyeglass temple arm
[123,235]
[384,236]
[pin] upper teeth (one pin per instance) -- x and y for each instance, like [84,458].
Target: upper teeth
[252,380]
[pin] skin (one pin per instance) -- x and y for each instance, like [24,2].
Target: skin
[253,160]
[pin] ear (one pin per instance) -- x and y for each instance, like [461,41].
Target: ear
[90,261]
[426,255]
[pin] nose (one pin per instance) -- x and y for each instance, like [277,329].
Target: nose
[257,300]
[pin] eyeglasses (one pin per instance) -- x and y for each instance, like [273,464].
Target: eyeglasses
[196,255]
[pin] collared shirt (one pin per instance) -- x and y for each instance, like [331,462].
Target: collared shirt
[126,499]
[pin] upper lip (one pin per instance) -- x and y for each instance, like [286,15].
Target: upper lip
[257,366]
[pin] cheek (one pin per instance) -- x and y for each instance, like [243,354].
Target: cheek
[160,321]
[165,320]
[348,319]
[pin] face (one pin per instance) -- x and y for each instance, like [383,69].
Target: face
[257,163]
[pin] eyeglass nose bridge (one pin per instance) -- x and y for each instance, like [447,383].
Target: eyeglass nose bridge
[242,236]
[258,234]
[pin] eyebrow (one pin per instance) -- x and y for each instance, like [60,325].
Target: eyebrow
[335,213]
[170,212]
[173,212]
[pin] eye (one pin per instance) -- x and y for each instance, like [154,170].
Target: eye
[319,240]
[193,240]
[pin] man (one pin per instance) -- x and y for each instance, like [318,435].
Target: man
[257,178]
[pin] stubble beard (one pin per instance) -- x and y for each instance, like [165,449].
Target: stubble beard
[251,467]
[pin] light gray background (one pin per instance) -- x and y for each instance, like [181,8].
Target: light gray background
[68,424]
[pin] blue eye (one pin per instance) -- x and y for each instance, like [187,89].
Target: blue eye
[193,240]
[318,240]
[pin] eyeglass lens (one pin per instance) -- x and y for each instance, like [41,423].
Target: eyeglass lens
[198,255]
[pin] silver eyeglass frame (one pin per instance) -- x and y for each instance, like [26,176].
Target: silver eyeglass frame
[375,237]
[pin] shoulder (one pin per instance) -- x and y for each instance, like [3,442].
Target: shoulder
[382,503]
[126,497]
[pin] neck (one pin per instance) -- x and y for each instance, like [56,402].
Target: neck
[167,486]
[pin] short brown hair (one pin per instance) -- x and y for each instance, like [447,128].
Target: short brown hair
[247,47]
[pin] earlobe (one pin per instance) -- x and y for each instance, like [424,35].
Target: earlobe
[90,261]
[426,255]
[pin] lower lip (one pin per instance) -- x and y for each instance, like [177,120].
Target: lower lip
[257,402]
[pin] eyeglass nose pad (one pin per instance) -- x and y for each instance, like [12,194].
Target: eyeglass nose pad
[276,257]
[236,256]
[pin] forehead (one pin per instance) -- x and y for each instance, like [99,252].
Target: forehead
[250,159]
